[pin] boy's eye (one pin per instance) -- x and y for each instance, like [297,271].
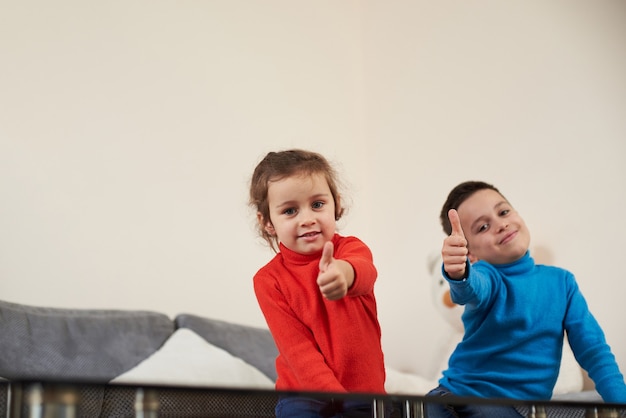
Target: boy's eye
[504,212]
[483,227]
[289,211]
[317,205]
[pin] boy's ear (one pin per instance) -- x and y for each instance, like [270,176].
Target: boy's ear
[472,258]
[266,225]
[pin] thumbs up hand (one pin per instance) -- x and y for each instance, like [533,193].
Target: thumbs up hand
[335,276]
[327,256]
[454,251]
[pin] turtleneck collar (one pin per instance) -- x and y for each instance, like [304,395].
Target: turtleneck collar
[520,266]
[292,257]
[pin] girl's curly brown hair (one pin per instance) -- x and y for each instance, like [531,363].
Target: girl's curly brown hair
[279,165]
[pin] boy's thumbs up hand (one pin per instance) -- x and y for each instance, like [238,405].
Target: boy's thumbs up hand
[335,276]
[454,251]
[455,223]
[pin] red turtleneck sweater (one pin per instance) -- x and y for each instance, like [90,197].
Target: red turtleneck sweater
[323,345]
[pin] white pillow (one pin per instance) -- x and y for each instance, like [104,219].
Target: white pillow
[570,375]
[187,359]
[398,382]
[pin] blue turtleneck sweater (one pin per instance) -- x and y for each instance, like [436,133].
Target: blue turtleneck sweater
[515,318]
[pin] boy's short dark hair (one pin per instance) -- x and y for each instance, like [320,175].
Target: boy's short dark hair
[459,195]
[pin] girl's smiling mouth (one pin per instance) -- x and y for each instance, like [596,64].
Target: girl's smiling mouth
[309,234]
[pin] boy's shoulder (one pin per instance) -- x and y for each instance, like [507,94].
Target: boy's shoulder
[554,269]
[523,266]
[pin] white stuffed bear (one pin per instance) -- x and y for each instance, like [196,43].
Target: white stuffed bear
[409,383]
[570,376]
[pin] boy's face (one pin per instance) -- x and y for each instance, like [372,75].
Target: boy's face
[302,212]
[494,231]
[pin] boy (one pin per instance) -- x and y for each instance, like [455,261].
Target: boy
[516,312]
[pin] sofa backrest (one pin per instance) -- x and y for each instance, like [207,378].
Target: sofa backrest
[76,344]
[253,345]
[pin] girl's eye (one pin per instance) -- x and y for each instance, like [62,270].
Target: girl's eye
[504,212]
[317,205]
[289,211]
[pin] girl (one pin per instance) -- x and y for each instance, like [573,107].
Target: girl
[317,293]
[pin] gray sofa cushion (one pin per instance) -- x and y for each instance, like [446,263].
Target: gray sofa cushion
[87,345]
[253,345]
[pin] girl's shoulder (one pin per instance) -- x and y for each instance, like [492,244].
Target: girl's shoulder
[349,243]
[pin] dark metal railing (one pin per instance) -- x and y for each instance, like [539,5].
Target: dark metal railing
[63,400]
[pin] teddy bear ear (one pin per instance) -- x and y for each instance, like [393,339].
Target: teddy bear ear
[440,293]
[433,261]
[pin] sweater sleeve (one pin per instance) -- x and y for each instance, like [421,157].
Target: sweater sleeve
[355,252]
[476,290]
[295,342]
[591,349]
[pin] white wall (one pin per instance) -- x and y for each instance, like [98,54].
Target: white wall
[528,95]
[128,132]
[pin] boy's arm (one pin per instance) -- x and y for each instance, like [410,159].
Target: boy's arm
[591,350]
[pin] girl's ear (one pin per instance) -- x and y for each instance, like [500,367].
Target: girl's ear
[266,225]
[338,208]
[269,228]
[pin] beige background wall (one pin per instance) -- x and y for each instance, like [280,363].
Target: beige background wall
[128,132]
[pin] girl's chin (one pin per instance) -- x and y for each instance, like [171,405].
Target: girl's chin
[311,248]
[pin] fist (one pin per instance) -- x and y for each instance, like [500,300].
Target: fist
[454,251]
[332,279]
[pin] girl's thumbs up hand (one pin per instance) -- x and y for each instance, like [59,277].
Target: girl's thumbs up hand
[335,276]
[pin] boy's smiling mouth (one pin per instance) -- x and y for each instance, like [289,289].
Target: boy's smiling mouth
[508,237]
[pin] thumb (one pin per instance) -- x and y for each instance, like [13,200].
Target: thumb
[455,223]
[327,255]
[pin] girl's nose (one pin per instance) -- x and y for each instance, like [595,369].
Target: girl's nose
[307,217]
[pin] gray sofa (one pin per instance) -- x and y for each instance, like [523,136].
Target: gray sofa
[93,347]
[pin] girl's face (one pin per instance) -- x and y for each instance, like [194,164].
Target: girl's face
[302,212]
[495,232]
